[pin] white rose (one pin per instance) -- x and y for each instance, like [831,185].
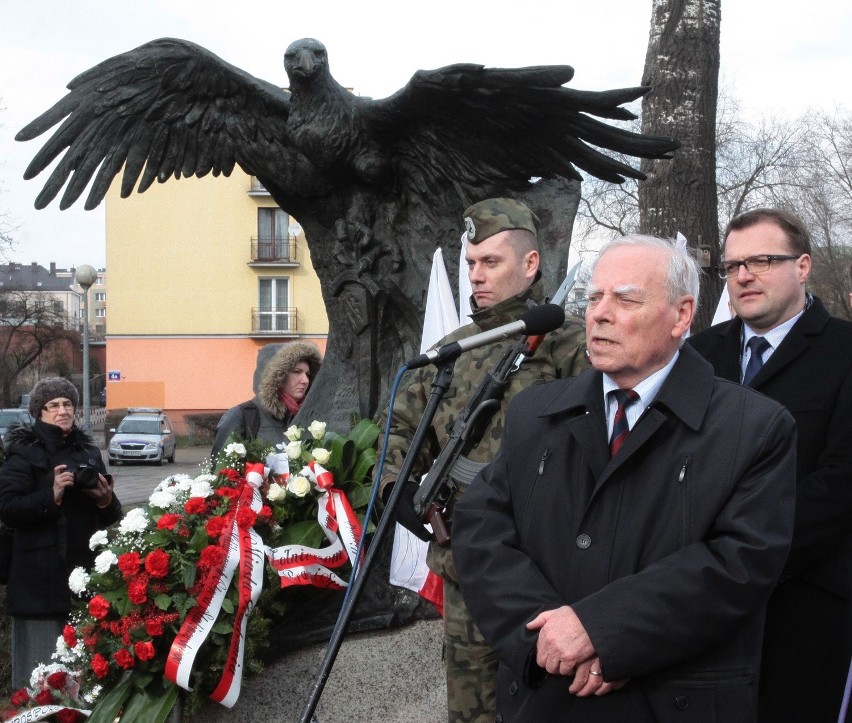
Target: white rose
[298,486]
[294,450]
[235,449]
[98,539]
[321,455]
[105,561]
[276,492]
[78,580]
[293,433]
[317,430]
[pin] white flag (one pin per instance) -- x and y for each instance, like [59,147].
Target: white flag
[408,558]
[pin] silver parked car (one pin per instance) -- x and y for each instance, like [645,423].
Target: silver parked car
[144,435]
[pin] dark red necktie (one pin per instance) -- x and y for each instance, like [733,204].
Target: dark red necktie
[620,430]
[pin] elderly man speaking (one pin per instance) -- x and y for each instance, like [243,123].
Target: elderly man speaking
[619,551]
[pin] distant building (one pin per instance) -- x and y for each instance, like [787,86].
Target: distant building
[202,274]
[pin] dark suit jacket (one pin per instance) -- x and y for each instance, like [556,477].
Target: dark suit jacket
[810,373]
[666,552]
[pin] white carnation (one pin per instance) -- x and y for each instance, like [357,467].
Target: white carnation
[317,430]
[298,486]
[98,539]
[134,521]
[276,492]
[200,488]
[163,499]
[78,580]
[105,561]
[235,449]
[294,450]
[293,433]
[321,455]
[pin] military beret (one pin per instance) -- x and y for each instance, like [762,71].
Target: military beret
[51,388]
[493,215]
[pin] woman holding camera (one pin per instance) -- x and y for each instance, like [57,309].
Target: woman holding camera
[55,494]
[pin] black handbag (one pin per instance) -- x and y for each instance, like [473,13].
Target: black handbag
[7,538]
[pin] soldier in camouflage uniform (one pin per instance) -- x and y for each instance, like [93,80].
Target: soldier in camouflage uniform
[503,262]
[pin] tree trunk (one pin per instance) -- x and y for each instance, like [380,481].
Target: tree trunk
[682,67]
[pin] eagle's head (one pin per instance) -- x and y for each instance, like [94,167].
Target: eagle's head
[304,60]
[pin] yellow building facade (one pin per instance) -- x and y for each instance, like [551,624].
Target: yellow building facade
[202,274]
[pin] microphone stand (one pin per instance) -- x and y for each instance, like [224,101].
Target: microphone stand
[440,384]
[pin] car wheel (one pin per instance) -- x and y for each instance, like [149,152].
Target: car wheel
[159,462]
[172,457]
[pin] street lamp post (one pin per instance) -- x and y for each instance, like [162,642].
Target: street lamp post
[86,276]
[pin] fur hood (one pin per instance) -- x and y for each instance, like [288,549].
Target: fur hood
[276,371]
[22,435]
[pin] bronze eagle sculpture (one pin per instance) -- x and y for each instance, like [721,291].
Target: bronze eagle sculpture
[376,184]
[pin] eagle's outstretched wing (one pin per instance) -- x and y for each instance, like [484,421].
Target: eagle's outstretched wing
[490,125]
[169,107]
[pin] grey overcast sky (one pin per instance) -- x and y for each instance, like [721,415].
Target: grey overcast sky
[778,57]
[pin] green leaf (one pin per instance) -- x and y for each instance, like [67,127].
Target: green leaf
[365,463]
[150,707]
[223,627]
[199,539]
[163,601]
[365,434]
[228,606]
[110,701]
[189,573]
[307,532]
[358,496]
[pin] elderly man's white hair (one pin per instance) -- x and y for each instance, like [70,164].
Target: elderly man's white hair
[683,277]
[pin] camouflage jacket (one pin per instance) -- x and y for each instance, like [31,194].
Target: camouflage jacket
[561,354]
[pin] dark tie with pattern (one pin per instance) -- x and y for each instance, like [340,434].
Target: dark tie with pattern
[620,430]
[758,346]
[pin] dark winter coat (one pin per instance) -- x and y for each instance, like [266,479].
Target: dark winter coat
[667,552]
[50,540]
[265,416]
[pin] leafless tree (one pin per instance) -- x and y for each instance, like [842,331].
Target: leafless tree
[7,225]
[32,326]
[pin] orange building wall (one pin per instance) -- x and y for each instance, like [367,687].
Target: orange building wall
[174,373]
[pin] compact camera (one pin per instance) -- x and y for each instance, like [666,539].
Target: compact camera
[85,476]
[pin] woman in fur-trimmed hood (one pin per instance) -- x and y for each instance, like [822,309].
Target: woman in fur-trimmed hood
[281,381]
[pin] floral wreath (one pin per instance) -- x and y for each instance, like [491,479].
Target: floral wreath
[182,593]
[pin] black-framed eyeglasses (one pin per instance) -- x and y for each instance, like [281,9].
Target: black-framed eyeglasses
[56,406]
[753,264]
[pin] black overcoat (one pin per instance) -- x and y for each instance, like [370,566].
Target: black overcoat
[667,553]
[50,540]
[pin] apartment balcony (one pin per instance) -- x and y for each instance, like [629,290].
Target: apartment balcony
[273,252]
[256,188]
[274,322]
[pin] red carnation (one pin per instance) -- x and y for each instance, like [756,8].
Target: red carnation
[229,473]
[227,492]
[215,526]
[154,628]
[211,556]
[129,563]
[144,650]
[195,506]
[137,591]
[99,607]
[123,659]
[100,666]
[246,517]
[168,521]
[45,697]
[157,563]
[265,513]
[69,635]
[68,715]
[57,680]
[20,697]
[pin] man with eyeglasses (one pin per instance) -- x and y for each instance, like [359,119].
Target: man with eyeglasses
[785,344]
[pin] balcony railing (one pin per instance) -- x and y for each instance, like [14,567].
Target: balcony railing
[273,250]
[274,321]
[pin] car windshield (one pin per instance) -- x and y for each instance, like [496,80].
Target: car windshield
[139,426]
[7,419]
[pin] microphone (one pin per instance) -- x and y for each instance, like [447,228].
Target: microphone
[539,319]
